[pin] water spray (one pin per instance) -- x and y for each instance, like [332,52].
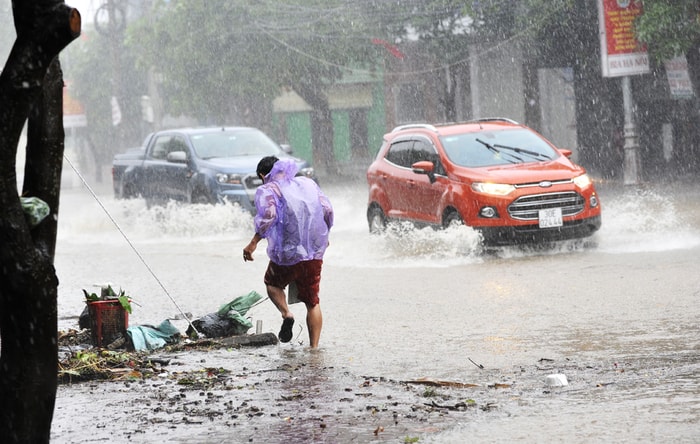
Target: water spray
[131,245]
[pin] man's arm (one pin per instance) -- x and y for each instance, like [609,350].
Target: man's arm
[250,248]
[327,209]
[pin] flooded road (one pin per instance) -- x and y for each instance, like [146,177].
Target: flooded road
[616,313]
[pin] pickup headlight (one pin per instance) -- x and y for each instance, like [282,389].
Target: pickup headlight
[498,189]
[308,172]
[232,179]
[582,181]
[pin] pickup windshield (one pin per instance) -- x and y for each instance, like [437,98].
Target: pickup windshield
[480,149]
[233,143]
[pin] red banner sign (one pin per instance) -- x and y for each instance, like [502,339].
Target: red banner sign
[621,52]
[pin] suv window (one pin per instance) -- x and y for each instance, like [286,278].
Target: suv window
[424,150]
[400,153]
[405,153]
[471,150]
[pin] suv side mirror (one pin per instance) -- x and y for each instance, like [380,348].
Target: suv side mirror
[286,148]
[424,167]
[565,152]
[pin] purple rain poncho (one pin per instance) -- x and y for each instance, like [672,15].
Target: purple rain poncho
[293,215]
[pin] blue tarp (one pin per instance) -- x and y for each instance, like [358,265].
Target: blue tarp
[147,337]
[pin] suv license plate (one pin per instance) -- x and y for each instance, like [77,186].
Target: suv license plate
[550,217]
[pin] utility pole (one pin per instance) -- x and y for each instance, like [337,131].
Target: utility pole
[632,164]
[623,56]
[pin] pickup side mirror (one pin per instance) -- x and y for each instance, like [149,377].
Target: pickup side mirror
[177,157]
[286,148]
[425,167]
[565,152]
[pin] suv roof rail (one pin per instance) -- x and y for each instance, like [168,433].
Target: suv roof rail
[496,119]
[414,125]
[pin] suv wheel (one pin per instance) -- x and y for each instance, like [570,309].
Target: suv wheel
[376,220]
[451,219]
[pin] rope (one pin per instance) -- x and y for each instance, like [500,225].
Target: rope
[128,241]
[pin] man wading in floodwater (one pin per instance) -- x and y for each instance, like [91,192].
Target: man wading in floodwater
[295,217]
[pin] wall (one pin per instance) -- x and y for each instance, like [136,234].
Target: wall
[496,81]
[558,107]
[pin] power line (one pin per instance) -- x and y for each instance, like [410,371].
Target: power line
[128,241]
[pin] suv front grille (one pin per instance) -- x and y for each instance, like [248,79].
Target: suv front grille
[527,207]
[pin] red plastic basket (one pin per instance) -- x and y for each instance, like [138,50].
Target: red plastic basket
[108,320]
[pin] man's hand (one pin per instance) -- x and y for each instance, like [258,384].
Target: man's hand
[248,252]
[250,248]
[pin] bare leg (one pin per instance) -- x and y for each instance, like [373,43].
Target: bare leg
[278,298]
[314,322]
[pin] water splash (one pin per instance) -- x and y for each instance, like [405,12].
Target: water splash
[633,221]
[646,220]
[410,245]
[173,221]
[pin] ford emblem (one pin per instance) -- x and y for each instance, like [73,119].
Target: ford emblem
[545,184]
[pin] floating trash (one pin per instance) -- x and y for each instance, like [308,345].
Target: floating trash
[557,380]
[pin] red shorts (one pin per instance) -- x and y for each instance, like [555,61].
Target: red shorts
[306,274]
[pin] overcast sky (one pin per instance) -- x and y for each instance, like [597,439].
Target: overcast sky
[86,7]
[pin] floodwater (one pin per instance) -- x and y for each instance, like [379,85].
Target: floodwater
[617,313]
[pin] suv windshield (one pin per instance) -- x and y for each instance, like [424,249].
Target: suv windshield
[488,148]
[246,142]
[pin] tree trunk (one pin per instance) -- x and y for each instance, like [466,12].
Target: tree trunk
[531,89]
[692,129]
[31,88]
[693,58]
[449,94]
[321,128]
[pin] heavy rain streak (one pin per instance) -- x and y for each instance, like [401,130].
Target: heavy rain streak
[614,315]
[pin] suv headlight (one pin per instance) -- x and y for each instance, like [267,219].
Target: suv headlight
[232,179]
[582,181]
[498,189]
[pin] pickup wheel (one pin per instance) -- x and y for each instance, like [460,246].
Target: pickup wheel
[128,191]
[200,197]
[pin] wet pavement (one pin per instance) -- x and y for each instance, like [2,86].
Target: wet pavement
[617,314]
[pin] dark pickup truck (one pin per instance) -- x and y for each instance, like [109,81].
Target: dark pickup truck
[197,165]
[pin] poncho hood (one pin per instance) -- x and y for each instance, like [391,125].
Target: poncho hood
[282,170]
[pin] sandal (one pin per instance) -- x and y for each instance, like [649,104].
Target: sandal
[285,334]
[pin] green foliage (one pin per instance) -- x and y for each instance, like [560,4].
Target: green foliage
[90,297]
[86,357]
[125,303]
[499,20]
[97,69]
[430,392]
[122,297]
[669,27]
[90,365]
[218,58]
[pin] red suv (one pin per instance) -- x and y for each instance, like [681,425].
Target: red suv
[495,175]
